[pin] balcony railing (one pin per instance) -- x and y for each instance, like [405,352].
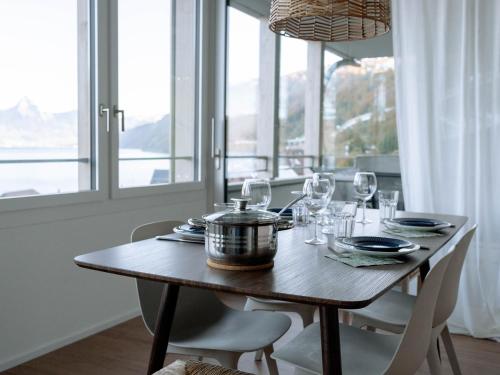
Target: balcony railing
[266,160]
[87,160]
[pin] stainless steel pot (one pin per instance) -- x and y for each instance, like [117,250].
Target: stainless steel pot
[241,237]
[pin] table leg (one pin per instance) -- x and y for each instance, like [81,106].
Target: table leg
[330,340]
[163,326]
[424,270]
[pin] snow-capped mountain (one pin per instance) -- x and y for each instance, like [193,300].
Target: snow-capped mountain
[24,125]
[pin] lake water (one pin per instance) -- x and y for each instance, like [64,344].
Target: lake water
[62,177]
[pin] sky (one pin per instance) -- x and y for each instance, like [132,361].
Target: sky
[243,44]
[38,54]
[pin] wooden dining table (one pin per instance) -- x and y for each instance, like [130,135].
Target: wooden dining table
[301,273]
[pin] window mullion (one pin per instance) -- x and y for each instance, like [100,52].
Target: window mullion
[313,100]
[276,100]
[267,121]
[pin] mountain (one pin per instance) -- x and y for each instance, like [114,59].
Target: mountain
[25,126]
[151,137]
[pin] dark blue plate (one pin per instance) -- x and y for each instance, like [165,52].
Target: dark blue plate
[288,211]
[418,222]
[190,229]
[377,243]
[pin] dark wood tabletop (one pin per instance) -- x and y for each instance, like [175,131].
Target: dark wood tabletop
[301,272]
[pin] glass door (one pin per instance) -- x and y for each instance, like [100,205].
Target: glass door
[144,110]
[154,88]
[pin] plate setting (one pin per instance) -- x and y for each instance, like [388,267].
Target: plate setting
[190,232]
[417,224]
[377,246]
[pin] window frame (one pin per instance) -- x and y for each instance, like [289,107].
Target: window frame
[102,44]
[312,122]
[314,102]
[137,191]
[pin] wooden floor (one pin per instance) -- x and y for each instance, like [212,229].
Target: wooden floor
[124,350]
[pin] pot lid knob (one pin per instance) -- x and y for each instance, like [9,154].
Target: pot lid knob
[240,204]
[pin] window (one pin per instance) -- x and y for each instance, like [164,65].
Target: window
[268,83]
[243,100]
[292,98]
[156,82]
[359,115]
[47,142]
[55,82]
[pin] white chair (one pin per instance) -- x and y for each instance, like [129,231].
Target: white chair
[205,327]
[392,311]
[306,312]
[364,352]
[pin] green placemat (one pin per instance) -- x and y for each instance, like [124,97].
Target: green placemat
[411,233]
[361,260]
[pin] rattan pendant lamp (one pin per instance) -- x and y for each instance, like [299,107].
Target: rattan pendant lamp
[330,20]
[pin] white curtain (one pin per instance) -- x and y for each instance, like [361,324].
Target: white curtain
[447,55]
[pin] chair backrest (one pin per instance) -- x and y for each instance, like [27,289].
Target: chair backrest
[449,288]
[189,300]
[412,349]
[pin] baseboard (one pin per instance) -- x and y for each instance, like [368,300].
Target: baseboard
[59,343]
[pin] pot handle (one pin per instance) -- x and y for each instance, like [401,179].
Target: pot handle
[240,204]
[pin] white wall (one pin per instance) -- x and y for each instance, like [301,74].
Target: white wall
[46,301]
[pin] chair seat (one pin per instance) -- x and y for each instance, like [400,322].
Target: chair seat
[234,331]
[390,312]
[363,352]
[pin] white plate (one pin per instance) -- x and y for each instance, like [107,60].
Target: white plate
[385,254]
[413,228]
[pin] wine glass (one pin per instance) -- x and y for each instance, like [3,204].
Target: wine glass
[330,177]
[317,193]
[365,185]
[258,191]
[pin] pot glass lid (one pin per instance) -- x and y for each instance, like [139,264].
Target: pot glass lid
[242,215]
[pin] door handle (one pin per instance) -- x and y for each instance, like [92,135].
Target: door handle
[216,152]
[103,110]
[120,112]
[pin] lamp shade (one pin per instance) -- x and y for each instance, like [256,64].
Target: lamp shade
[330,20]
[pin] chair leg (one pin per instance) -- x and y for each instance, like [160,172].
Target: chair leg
[258,355]
[450,350]
[433,359]
[346,316]
[228,359]
[307,317]
[405,285]
[271,363]
[356,322]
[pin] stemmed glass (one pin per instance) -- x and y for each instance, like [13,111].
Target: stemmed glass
[318,193]
[365,185]
[330,177]
[259,192]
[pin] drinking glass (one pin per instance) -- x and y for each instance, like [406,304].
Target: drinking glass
[343,225]
[300,212]
[258,191]
[338,209]
[365,185]
[317,194]
[387,203]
